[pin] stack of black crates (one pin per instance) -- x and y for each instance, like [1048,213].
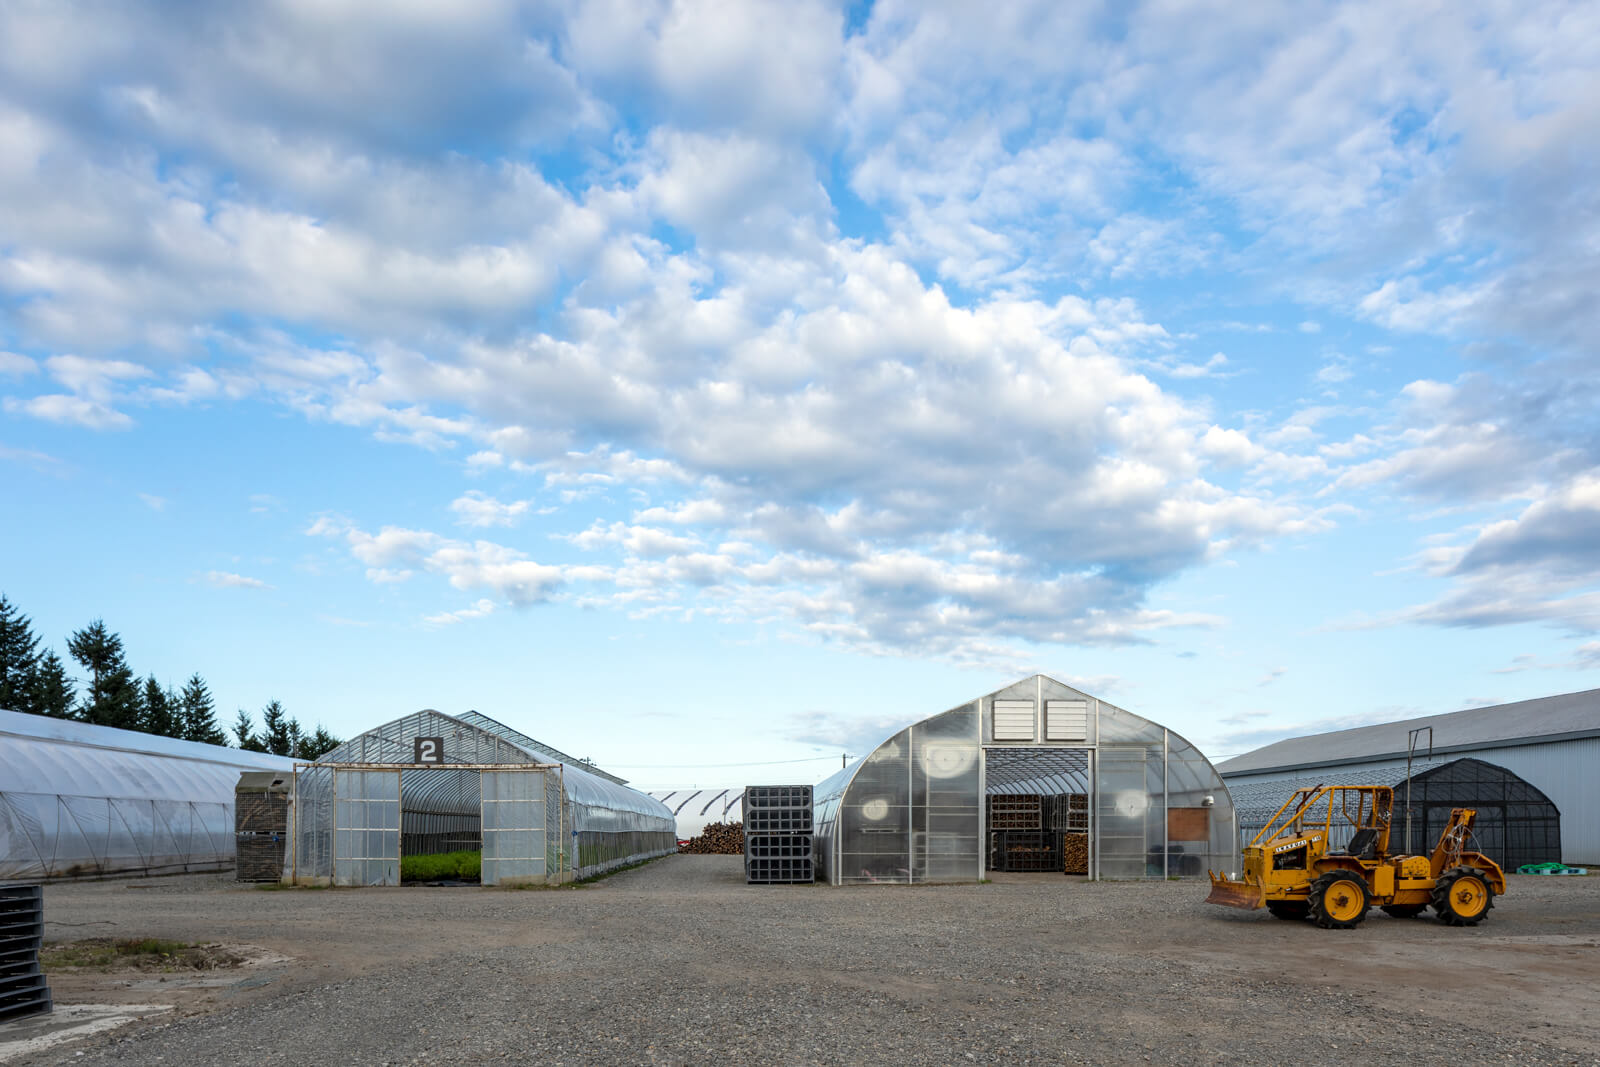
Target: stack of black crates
[23,990]
[778,834]
[260,825]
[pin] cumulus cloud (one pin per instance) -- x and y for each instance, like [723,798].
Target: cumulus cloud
[479,509]
[1539,566]
[841,315]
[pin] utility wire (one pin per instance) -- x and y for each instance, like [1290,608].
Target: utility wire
[675,766]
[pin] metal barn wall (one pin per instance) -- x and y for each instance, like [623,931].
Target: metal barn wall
[1565,771]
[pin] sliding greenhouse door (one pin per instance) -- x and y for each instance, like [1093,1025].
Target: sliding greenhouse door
[366,849]
[513,826]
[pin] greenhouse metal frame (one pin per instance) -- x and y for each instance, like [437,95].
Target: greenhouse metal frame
[356,811]
[917,808]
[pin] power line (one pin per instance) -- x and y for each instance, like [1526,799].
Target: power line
[676,766]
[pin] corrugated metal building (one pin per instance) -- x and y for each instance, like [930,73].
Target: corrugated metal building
[1552,743]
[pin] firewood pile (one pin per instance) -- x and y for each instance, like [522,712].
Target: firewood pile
[717,839]
[1075,853]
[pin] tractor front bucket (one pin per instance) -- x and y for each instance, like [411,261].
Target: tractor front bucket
[1235,894]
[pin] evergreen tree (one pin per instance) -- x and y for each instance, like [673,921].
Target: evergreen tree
[19,659]
[113,698]
[318,744]
[199,713]
[161,711]
[244,729]
[51,690]
[279,733]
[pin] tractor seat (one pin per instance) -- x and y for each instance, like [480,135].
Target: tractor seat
[1363,845]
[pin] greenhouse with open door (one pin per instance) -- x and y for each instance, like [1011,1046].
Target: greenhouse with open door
[432,784]
[1038,776]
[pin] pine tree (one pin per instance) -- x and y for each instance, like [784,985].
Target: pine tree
[161,712]
[278,731]
[318,744]
[244,729]
[199,713]
[51,690]
[19,659]
[113,698]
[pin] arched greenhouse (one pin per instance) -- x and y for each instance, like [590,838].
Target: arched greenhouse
[435,783]
[79,800]
[1038,776]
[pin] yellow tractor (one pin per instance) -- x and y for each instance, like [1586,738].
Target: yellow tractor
[1293,869]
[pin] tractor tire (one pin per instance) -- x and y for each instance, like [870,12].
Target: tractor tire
[1463,896]
[1338,900]
[1403,911]
[1288,909]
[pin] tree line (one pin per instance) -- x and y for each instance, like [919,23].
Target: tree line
[33,679]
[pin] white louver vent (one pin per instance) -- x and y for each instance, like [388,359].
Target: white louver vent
[1066,720]
[1013,720]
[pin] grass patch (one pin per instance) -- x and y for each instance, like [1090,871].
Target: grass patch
[463,866]
[135,953]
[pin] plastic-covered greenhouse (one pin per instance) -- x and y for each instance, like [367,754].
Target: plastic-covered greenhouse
[535,815]
[1037,776]
[694,808]
[80,800]
[1516,824]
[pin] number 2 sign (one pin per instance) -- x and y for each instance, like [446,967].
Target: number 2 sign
[429,750]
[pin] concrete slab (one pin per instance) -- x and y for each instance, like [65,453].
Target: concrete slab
[68,1022]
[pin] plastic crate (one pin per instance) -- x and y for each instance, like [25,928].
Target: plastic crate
[1018,812]
[24,995]
[23,989]
[776,870]
[776,796]
[1024,850]
[778,846]
[778,820]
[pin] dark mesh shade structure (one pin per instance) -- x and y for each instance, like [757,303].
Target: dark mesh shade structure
[1036,776]
[1516,823]
[535,817]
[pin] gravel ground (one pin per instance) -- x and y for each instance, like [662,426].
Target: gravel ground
[679,962]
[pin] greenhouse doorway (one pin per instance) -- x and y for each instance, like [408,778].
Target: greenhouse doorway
[496,824]
[1038,815]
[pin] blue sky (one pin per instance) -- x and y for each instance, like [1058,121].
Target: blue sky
[703,385]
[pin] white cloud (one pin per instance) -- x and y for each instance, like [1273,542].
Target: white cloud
[447,618]
[225,580]
[829,327]
[153,502]
[479,509]
[59,407]
[14,365]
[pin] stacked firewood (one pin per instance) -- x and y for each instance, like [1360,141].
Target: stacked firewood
[717,839]
[1075,853]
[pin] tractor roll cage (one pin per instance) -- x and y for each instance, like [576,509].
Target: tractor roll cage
[1361,807]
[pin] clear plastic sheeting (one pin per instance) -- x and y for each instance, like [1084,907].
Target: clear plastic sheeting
[912,810]
[695,808]
[531,817]
[79,800]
